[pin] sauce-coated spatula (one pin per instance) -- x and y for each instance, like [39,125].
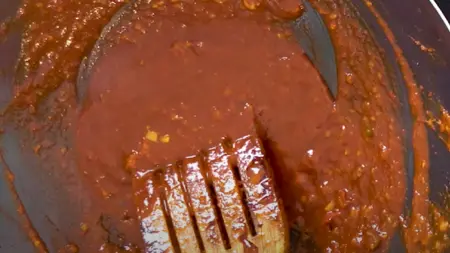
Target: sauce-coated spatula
[221,200]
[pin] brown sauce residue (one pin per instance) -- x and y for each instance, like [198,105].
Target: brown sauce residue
[422,229]
[438,119]
[429,50]
[184,78]
[25,221]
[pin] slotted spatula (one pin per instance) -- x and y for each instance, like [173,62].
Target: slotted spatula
[220,200]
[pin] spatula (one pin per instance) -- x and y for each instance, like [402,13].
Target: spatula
[220,200]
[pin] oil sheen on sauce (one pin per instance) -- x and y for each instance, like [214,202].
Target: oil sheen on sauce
[339,165]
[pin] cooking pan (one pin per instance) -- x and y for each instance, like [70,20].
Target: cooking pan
[54,216]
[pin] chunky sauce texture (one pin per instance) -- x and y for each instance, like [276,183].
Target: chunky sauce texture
[179,73]
[339,166]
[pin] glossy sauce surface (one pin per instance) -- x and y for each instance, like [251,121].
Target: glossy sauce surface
[339,166]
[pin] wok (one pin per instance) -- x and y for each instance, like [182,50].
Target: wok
[54,215]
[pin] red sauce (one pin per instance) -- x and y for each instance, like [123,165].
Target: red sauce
[184,74]
[338,165]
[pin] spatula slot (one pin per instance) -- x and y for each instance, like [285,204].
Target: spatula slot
[243,195]
[166,213]
[188,201]
[228,145]
[213,194]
